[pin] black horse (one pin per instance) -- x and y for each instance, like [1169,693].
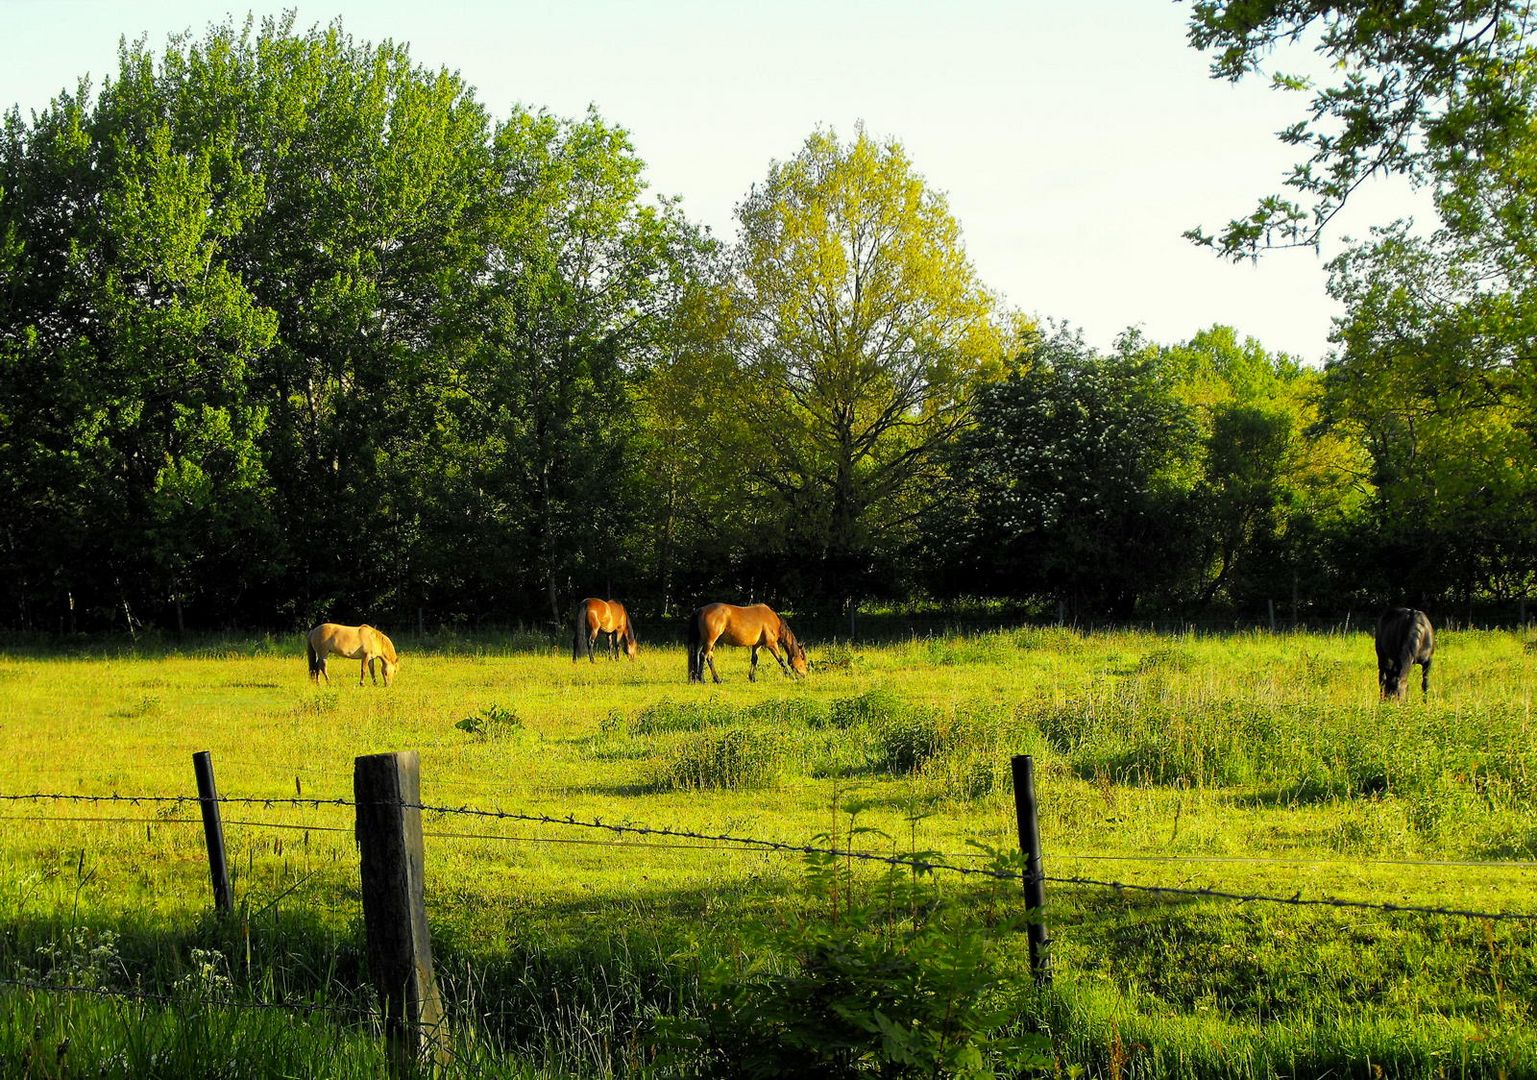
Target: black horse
[1404,638]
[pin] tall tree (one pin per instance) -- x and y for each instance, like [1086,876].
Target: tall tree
[1075,481]
[585,270]
[865,334]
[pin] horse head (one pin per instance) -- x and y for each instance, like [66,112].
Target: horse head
[798,661]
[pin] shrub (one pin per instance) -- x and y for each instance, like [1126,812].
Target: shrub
[865,708]
[725,758]
[666,716]
[792,711]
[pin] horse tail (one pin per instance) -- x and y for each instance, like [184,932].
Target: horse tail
[309,648]
[695,641]
[579,616]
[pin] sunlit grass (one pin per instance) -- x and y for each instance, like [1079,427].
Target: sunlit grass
[1269,751]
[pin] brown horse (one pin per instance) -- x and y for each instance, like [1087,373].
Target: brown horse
[594,617]
[1404,638]
[354,643]
[756,627]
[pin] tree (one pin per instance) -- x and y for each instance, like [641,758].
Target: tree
[584,274]
[239,288]
[1273,482]
[865,333]
[1425,89]
[1438,376]
[1074,480]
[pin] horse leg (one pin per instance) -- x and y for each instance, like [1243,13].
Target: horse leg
[1425,680]
[613,645]
[323,671]
[752,668]
[782,665]
[362,669]
[709,658]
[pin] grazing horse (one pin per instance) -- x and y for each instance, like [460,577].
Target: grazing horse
[1404,638]
[756,627]
[354,643]
[594,617]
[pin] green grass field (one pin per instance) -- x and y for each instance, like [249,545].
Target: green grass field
[1251,763]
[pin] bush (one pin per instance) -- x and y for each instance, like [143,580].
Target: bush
[792,711]
[726,758]
[864,709]
[666,716]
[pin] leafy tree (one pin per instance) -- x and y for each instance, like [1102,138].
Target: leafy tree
[585,273]
[1424,89]
[865,333]
[1437,378]
[1272,480]
[240,277]
[1075,480]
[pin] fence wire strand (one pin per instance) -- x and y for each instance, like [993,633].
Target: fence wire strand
[918,863]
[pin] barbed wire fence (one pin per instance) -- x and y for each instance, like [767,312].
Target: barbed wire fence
[412,1014]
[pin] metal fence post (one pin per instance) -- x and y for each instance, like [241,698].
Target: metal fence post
[1033,875]
[213,831]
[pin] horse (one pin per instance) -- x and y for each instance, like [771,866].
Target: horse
[756,627]
[1404,638]
[594,617]
[354,643]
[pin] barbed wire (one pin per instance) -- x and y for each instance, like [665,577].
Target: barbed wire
[1297,900]
[919,863]
[184,999]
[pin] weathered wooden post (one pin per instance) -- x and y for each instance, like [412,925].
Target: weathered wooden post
[387,788]
[1270,606]
[213,831]
[1033,876]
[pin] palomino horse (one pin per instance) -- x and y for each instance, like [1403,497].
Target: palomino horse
[1404,638]
[355,643]
[756,627]
[594,617]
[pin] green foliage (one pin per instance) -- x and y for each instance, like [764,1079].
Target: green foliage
[891,979]
[1424,90]
[492,722]
[865,334]
[728,758]
[666,716]
[1074,479]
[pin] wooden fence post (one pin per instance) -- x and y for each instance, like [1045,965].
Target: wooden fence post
[387,788]
[1270,606]
[213,831]
[1034,875]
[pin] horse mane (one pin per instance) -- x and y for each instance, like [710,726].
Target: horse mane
[785,632]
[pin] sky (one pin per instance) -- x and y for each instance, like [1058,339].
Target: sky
[1075,141]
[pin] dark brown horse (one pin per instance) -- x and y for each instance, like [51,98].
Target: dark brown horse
[756,627]
[594,617]
[1404,638]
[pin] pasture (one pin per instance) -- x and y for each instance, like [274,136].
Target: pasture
[1251,763]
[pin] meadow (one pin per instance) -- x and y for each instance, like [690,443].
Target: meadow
[1248,762]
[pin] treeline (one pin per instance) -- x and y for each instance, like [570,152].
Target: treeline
[292,327]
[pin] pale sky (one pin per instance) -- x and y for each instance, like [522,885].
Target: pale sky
[1075,140]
